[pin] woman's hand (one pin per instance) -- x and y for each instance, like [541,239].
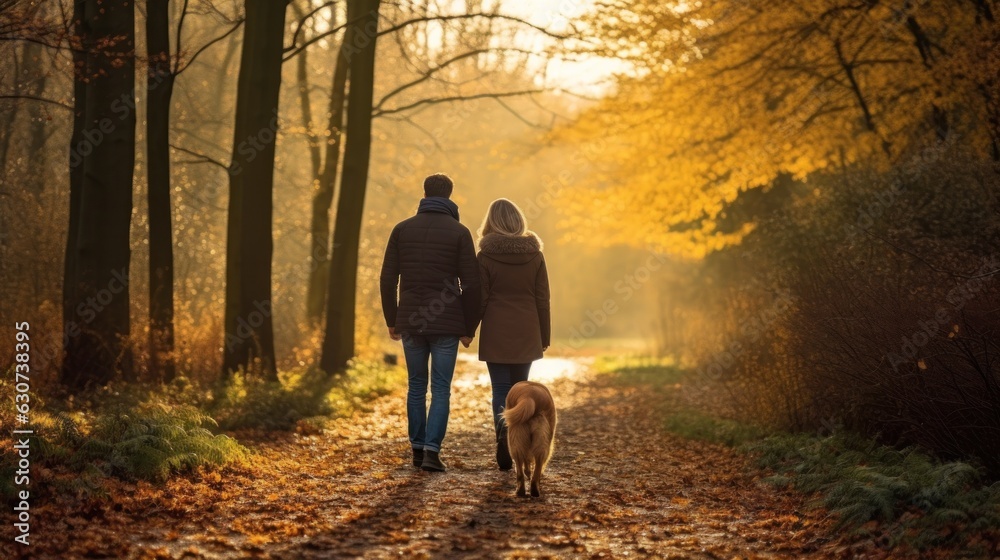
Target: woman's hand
[466,341]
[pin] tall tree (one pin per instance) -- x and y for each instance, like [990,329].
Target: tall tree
[249,335]
[324,164]
[102,161]
[319,272]
[37,134]
[160,85]
[305,101]
[75,179]
[338,343]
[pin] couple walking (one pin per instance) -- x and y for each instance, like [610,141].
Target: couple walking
[445,290]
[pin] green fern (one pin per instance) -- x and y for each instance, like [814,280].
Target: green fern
[153,441]
[860,480]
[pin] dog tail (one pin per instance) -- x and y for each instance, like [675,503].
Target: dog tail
[520,412]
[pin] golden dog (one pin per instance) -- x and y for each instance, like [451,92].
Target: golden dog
[530,415]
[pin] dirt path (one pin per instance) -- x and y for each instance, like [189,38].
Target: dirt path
[617,486]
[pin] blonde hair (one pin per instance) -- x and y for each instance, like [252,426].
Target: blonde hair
[505,218]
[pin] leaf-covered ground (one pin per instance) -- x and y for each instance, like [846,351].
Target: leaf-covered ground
[618,486]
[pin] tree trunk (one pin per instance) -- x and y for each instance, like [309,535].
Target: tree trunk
[161,245]
[75,174]
[10,115]
[37,135]
[319,271]
[249,336]
[338,344]
[302,75]
[102,161]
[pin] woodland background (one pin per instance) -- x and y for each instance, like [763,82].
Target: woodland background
[796,203]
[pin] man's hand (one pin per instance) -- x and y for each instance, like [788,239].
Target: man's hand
[393,335]
[466,341]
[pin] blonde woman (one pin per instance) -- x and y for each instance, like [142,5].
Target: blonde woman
[515,328]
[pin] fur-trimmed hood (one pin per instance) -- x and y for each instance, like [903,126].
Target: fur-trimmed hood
[499,244]
[509,248]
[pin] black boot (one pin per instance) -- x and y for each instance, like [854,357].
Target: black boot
[503,454]
[418,457]
[432,462]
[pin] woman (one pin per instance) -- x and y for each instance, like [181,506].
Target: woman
[515,327]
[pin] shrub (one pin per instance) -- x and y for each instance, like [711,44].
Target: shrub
[130,441]
[249,402]
[892,284]
[896,325]
[860,480]
[152,441]
[921,499]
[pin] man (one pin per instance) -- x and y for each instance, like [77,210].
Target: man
[432,260]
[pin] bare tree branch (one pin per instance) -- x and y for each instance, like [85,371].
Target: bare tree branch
[306,17]
[453,17]
[180,29]
[332,31]
[926,263]
[201,158]
[40,99]
[428,75]
[430,72]
[293,50]
[424,131]
[517,115]
[449,99]
[206,46]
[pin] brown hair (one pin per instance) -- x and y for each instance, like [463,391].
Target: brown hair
[438,184]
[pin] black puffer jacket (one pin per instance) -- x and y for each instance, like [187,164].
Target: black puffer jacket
[432,260]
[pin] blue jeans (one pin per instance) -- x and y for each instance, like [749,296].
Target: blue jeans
[502,378]
[427,429]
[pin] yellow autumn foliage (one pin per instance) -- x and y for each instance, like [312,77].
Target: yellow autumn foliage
[726,96]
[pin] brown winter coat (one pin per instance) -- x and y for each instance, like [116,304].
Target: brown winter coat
[515,307]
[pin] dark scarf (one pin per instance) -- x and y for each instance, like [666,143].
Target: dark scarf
[439,205]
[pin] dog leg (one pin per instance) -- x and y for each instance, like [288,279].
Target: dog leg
[520,467]
[536,479]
